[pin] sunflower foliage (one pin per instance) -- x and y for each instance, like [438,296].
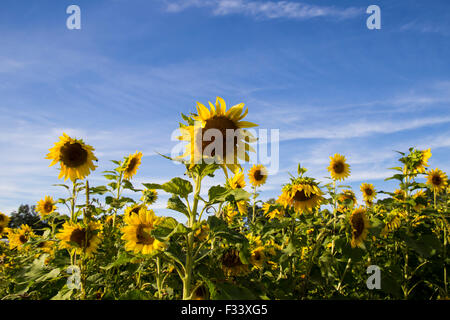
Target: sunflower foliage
[315,241]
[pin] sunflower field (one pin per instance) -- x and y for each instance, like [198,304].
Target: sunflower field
[315,241]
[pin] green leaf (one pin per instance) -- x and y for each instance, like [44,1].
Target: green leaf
[175,203]
[178,186]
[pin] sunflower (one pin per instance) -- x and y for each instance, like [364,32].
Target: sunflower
[230,213]
[4,219]
[225,122]
[242,207]
[132,163]
[257,257]
[420,199]
[254,241]
[339,169]
[437,180]
[232,264]
[393,221]
[274,213]
[368,191]
[237,181]
[303,194]
[75,158]
[258,175]
[18,237]
[46,206]
[423,162]
[83,238]
[137,235]
[149,196]
[347,195]
[360,226]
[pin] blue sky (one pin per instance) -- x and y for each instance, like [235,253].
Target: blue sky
[311,69]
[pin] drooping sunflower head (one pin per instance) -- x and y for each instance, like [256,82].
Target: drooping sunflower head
[303,194]
[422,161]
[46,206]
[149,196]
[218,134]
[360,226]
[137,232]
[230,213]
[338,168]
[18,237]
[258,257]
[131,165]
[4,219]
[393,221]
[420,199]
[81,237]
[347,197]
[368,191]
[437,180]
[237,181]
[74,156]
[202,233]
[258,175]
[232,264]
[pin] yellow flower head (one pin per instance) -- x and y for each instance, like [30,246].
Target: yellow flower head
[258,257]
[360,226]
[149,196]
[46,206]
[234,138]
[137,230]
[274,213]
[75,158]
[132,163]
[230,213]
[4,220]
[258,175]
[303,194]
[338,168]
[83,238]
[237,181]
[18,237]
[400,195]
[347,195]
[202,233]
[420,198]
[368,192]
[437,180]
[426,155]
[135,208]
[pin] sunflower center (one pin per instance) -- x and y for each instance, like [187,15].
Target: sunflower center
[23,238]
[257,256]
[2,218]
[48,207]
[436,180]
[368,191]
[258,175]
[358,225]
[338,167]
[231,259]
[132,164]
[221,123]
[143,234]
[300,196]
[73,155]
[79,237]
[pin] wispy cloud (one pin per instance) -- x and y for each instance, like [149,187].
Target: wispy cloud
[265,9]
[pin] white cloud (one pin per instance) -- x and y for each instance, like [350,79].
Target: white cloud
[265,9]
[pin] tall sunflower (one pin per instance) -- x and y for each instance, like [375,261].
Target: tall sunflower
[232,264]
[303,194]
[81,237]
[338,168]
[46,206]
[237,181]
[137,230]
[258,175]
[347,195]
[132,164]
[234,146]
[75,158]
[437,180]
[368,191]
[360,226]
[18,237]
